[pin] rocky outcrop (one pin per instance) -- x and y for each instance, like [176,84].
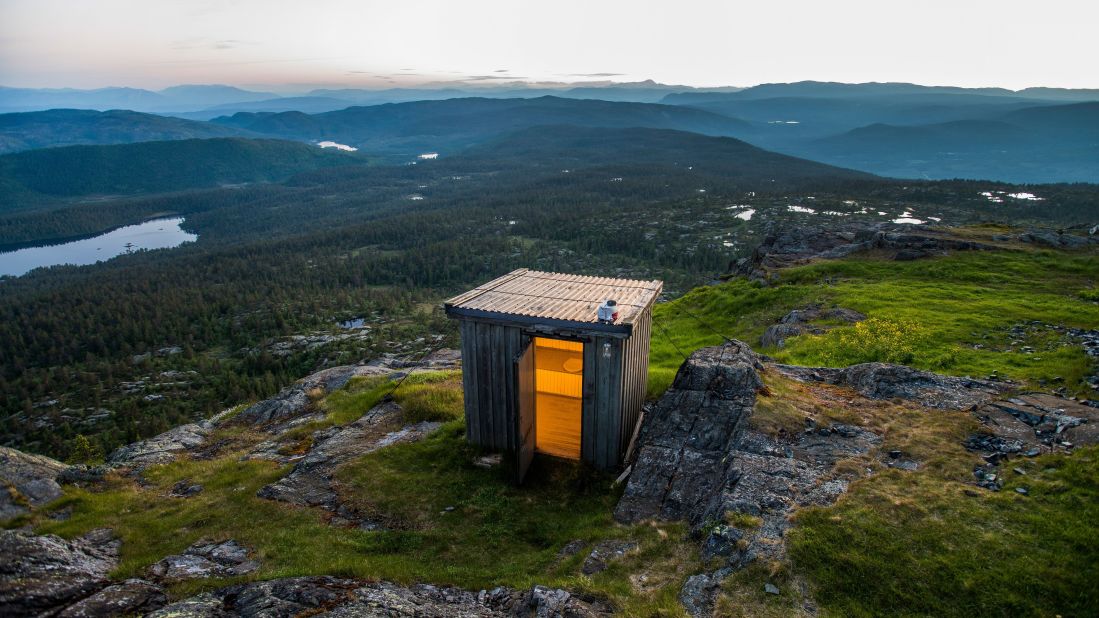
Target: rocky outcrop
[26,481]
[45,574]
[799,322]
[1058,239]
[604,553]
[310,483]
[1028,425]
[291,407]
[795,245]
[128,598]
[162,448]
[346,598]
[205,559]
[887,381]
[699,461]
[295,401]
[684,441]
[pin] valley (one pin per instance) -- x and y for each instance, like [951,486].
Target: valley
[228,386]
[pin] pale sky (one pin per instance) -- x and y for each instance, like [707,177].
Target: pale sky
[284,45]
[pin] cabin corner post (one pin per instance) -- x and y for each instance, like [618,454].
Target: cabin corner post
[603,372]
[469,381]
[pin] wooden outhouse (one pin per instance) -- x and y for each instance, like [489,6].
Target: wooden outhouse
[542,373]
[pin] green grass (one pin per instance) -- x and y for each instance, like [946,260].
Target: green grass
[915,544]
[496,533]
[897,543]
[934,311]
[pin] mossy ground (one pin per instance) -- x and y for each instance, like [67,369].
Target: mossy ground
[898,543]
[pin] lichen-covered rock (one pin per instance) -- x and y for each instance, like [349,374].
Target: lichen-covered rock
[1057,240]
[797,322]
[310,481]
[26,481]
[698,592]
[698,461]
[776,334]
[605,552]
[347,598]
[43,574]
[128,598]
[205,559]
[160,449]
[685,439]
[185,489]
[296,400]
[887,381]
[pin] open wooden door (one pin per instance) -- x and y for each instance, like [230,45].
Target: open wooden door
[524,372]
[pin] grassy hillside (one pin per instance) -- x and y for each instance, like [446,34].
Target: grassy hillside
[922,543]
[950,315]
[150,167]
[70,127]
[898,543]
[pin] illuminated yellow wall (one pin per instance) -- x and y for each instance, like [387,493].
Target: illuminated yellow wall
[558,382]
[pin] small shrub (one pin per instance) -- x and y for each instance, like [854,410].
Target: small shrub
[872,340]
[84,451]
[743,521]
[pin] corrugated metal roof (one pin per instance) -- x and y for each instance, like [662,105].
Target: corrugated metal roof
[557,296]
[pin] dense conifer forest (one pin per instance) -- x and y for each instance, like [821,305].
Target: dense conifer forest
[130,347]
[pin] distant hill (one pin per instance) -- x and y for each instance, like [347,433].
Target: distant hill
[69,127]
[456,123]
[175,99]
[908,130]
[873,89]
[158,166]
[197,98]
[721,159]
[308,104]
[1076,119]
[211,94]
[1039,144]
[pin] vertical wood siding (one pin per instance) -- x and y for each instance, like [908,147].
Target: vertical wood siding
[489,381]
[635,374]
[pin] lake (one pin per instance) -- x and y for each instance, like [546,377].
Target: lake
[154,234]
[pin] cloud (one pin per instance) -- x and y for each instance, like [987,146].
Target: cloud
[483,78]
[228,44]
[206,43]
[500,71]
[593,74]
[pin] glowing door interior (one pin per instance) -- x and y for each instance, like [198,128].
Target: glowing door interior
[558,382]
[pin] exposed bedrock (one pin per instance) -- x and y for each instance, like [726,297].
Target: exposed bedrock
[291,407]
[887,381]
[311,483]
[700,461]
[26,481]
[795,245]
[50,576]
[348,598]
